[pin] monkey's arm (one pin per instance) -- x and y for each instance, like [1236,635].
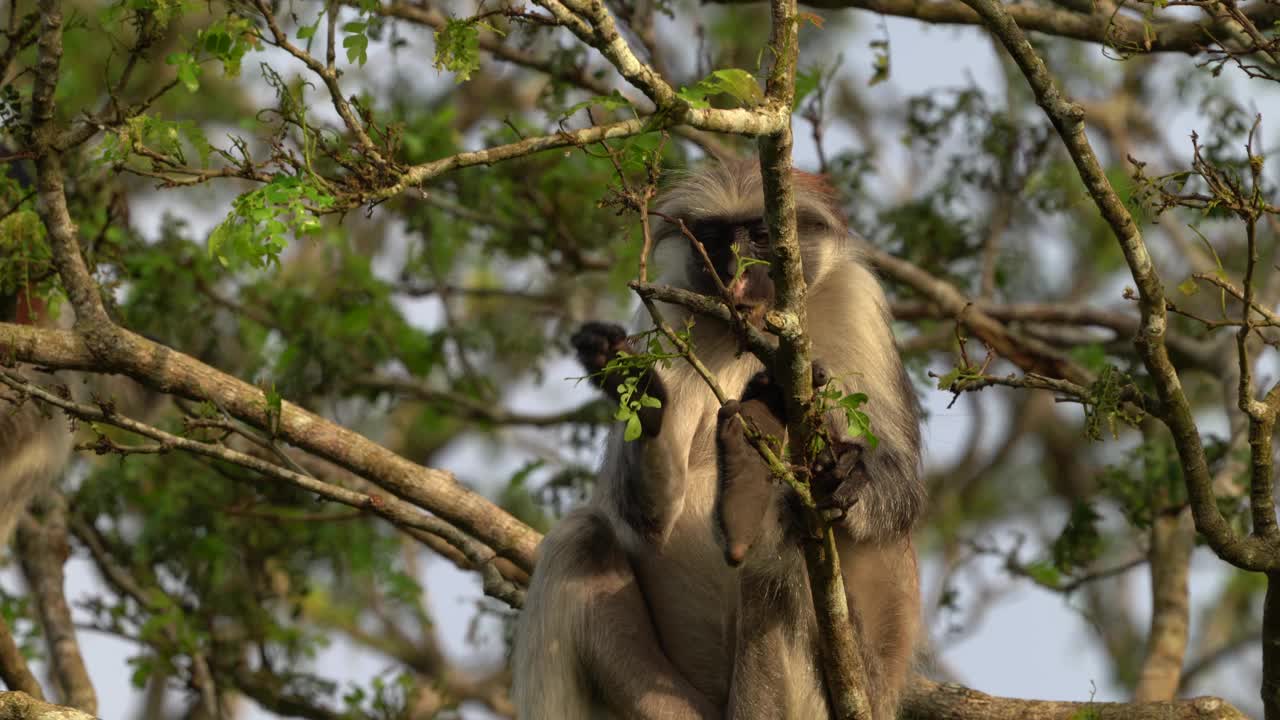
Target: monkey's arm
[879,489]
[642,481]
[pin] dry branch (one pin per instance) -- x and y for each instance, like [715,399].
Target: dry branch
[42,549]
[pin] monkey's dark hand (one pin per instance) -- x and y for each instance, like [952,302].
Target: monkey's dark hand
[598,343]
[839,475]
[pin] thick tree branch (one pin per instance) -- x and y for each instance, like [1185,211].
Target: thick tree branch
[843,670]
[169,371]
[21,706]
[51,198]
[1271,647]
[1172,540]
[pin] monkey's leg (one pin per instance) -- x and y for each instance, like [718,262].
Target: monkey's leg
[774,675]
[586,647]
[883,592]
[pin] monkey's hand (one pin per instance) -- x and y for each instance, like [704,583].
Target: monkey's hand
[597,344]
[839,475]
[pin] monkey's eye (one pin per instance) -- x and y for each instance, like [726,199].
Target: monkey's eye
[759,234]
[710,234]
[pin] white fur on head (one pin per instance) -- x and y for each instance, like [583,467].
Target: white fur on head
[733,190]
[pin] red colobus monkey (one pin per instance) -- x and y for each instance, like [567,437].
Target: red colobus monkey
[633,610]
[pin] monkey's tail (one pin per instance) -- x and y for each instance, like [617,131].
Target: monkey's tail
[549,681]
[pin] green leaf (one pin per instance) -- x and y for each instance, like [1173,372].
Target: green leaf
[633,428]
[458,49]
[1189,286]
[306,32]
[1044,573]
[807,82]
[738,84]
[188,70]
[946,381]
[879,62]
[357,47]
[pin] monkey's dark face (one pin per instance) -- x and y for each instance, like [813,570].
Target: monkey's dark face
[738,249]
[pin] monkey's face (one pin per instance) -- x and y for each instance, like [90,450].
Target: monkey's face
[739,251]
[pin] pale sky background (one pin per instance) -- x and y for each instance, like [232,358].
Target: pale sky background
[1032,643]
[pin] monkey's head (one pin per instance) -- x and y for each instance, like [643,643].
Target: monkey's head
[722,205]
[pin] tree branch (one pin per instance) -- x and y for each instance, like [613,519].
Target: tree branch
[13,666]
[22,706]
[42,550]
[1251,553]
[1127,33]
[929,700]
[390,508]
[168,371]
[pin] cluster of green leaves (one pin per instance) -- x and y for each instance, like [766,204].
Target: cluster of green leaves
[634,369]
[458,47]
[168,137]
[255,231]
[1147,482]
[833,397]
[957,378]
[1081,542]
[1108,403]
[199,526]
[26,262]
[225,41]
[384,700]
